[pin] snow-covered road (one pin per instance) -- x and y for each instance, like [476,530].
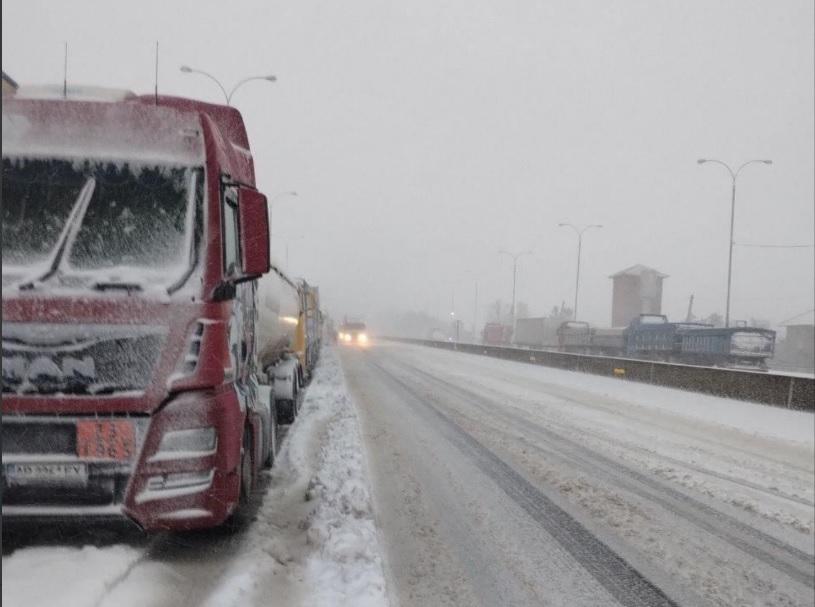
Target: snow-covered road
[494,483]
[500,483]
[313,541]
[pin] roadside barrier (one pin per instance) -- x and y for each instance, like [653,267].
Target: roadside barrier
[779,390]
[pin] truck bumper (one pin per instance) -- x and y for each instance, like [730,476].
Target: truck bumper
[167,491]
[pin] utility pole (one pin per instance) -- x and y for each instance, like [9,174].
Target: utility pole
[475,313]
[579,231]
[515,257]
[733,176]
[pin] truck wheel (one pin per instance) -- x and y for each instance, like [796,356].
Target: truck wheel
[272,454]
[239,517]
[286,411]
[247,469]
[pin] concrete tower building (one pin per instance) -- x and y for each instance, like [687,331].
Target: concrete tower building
[637,290]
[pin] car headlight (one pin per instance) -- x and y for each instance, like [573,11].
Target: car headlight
[196,440]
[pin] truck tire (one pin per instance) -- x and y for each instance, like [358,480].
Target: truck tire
[246,474]
[247,471]
[273,447]
[286,410]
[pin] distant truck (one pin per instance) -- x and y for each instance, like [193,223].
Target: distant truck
[536,332]
[133,344]
[653,337]
[353,333]
[496,334]
[313,325]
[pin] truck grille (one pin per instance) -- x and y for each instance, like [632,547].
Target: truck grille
[82,360]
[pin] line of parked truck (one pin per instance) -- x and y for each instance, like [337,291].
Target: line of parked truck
[653,337]
[150,346]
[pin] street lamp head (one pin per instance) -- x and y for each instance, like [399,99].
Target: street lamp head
[270,78]
[767,161]
[186,69]
[702,161]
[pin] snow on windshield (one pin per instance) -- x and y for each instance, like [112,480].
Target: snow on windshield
[145,209]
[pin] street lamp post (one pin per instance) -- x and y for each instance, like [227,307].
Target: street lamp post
[515,257]
[475,313]
[227,95]
[276,197]
[286,242]
[733,176]
[579,231]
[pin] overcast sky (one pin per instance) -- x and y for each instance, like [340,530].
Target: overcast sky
[423,137]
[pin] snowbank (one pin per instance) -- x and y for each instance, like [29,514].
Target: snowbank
[315,541]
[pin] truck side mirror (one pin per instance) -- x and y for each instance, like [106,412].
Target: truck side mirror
[254,230]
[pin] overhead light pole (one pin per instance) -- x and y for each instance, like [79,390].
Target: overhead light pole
[227,95]
[286,241]
[733,176]
[278,197]
[579,231]
[515,257]
[475,313]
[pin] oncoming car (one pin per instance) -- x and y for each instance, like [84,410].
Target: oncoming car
[353,333]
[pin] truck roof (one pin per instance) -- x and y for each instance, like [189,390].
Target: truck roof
[126,128]
[228,118]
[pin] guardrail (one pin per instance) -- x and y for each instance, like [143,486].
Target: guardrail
[774,389]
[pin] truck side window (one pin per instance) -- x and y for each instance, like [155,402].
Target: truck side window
[231,241]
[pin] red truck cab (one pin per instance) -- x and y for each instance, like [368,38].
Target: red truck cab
[132,237]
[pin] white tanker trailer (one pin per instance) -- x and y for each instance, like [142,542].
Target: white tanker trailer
[280,347]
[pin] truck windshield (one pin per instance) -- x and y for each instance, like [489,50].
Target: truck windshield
[122,222]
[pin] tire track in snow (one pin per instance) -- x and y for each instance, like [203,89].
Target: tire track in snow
[720,475]
[627,585]
[773,552]
[114,583]
[713,473]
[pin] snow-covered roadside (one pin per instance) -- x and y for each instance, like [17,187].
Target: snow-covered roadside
[753,457]
[62,575]
[752,419]
[314,541]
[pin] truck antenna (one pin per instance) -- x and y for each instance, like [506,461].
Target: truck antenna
[156,80]
[65,74]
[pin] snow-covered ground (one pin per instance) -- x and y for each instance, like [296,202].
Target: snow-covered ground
[493,478]
[313,543]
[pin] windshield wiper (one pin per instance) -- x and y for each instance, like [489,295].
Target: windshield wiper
[68,234]
[116,286]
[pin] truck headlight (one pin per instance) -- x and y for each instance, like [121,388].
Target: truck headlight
[195,440]
[362,338]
